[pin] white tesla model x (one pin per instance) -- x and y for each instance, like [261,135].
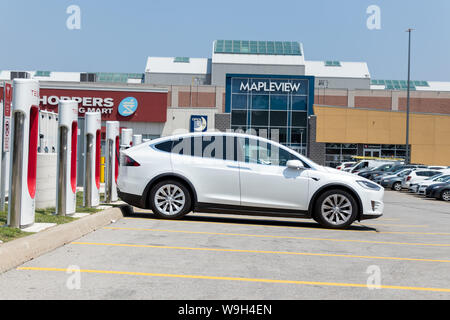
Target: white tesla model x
[241,174]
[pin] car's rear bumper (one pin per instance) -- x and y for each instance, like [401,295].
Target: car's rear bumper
[132,199]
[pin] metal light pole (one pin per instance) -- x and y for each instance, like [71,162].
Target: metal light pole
[408,156]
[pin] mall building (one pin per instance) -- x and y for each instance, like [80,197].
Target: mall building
[329,110]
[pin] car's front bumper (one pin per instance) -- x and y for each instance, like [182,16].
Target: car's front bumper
[432,193]
[373,205]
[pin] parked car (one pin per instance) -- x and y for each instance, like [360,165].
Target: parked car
[345,165]
[384,168]
[394,182]
[241,174]
[392,172]
[366,165]
[444,177]
[439,191]
[417,176]
[437,167]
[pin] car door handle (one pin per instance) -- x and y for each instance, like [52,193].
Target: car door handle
[237,167]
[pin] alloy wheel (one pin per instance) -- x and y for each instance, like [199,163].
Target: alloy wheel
[446,195]
[169,200]
[337,209]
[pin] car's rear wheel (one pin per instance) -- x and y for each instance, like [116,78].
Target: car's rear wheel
[446,195]
[336,209]
[170,199]
[397,186]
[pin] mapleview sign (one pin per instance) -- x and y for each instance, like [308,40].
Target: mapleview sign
[269,86]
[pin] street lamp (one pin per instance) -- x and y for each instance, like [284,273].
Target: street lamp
[408,156]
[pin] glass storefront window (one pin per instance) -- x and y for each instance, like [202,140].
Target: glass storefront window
[299,119]
[274,103]
[336,153]
[260,118]
[298,136]
[278,118]
[299,103]
[240,101]
[278,102]
[260,101]
[239,117]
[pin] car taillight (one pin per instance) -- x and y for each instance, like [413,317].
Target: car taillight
[129,162]
[408,178]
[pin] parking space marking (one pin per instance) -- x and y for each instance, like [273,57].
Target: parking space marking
[256,251]
[280,237]
[271,226]
[239,279]
[392,225]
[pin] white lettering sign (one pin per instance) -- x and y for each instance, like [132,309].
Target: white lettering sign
[270,86]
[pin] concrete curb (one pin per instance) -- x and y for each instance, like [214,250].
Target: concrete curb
[17,252]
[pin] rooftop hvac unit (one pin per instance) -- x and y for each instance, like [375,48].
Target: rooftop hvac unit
[19,75]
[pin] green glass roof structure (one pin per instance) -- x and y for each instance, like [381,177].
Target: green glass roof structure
[182,60]
[400,84]
[332,64]
[285,48]
[42,74]
[117,77]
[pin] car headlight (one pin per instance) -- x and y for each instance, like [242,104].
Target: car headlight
[368,185]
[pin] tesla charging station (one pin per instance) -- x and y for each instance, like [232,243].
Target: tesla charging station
[112,160]
[66,189]
[126,138]
[23,160]
[92,153]
[137,139]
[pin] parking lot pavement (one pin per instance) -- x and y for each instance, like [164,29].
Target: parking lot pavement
[209,256]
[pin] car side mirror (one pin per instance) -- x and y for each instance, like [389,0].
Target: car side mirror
[295,164]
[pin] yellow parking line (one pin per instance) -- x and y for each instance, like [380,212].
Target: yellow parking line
[239,279]
[256,251]
[280,237]
[272,226]
[392,225]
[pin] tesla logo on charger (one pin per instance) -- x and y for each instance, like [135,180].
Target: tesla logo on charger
[128,106]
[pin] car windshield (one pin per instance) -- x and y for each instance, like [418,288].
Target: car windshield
[396,169]
[435,176]
[380,168]
[404,173]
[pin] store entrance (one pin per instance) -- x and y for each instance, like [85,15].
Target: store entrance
[372,153]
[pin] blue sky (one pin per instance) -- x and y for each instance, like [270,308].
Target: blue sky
[117,35]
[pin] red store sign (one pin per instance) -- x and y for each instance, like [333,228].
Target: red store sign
[140,106]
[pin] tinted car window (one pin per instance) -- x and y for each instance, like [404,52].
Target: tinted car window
[217,147]
[260,152]
[165,146]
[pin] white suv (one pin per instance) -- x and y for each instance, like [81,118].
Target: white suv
[412,180]
[241,174]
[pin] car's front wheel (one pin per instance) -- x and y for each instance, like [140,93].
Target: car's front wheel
[170,199]
[445,195]
[335,209]
[397,186]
